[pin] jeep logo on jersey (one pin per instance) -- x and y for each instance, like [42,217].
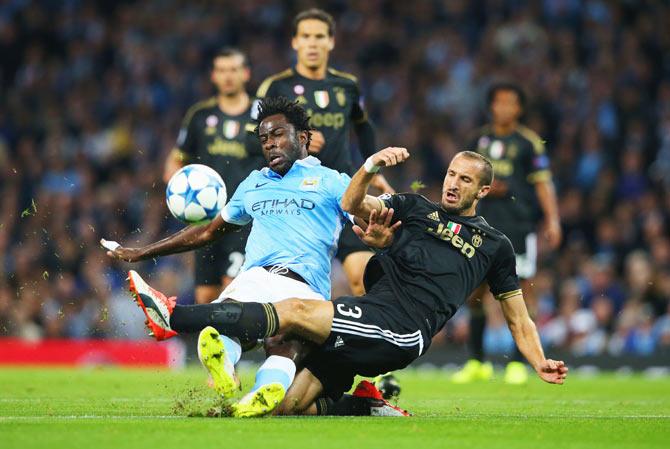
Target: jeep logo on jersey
[285,206]
[231,129]
[321,98]
[444,233]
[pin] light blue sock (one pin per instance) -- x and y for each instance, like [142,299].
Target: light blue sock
[233,349]
[275,369]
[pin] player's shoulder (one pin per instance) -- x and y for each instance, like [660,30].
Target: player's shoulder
[410,199]
[265,85]
[480,223]
[200,107]
[532,137]
[344,77]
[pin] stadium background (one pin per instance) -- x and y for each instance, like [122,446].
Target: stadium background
[92,94]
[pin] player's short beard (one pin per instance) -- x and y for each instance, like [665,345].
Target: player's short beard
[465,204]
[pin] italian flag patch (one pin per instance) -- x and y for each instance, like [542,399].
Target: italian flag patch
[454,227]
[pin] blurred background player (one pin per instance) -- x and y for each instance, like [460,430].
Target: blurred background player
[333,101]
[218,132]
[522,183]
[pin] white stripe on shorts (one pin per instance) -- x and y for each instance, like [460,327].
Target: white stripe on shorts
[372,331]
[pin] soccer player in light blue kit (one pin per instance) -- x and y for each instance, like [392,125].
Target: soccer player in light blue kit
[294,204]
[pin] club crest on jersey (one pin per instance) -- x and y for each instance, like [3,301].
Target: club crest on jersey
[231,129]
[454,227]
[477,240]
[340,97]
[310,184]
[321,98]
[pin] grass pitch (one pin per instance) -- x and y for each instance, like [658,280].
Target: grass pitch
[114,408]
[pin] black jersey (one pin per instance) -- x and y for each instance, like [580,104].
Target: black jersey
[437,259]
[224,142]
[333,104]
[520,160]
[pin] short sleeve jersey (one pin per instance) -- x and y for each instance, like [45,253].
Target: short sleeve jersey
[296,219]
[437,259]
[227,143]
[333,104]
[520,160]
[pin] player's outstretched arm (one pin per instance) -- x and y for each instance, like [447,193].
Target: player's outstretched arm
[356,200]
[526,338]
[189,238]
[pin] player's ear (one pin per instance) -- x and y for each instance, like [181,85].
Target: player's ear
[294,43]
[483,191]
[331,44]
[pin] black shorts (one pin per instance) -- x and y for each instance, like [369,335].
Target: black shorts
[370,336]
[224,257]
[349,243]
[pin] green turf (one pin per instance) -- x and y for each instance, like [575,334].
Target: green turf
[112,408]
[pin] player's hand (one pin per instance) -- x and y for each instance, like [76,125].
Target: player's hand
[390,156]
[121,253]
[552,371]
[380,182]
[317,142]
[379,232]
[553,233]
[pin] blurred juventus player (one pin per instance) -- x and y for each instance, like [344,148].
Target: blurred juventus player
[333,100]
[218,132]
[520,196]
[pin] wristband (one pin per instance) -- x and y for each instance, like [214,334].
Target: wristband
[370,166]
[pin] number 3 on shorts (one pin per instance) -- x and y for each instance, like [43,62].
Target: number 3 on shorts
[353,312]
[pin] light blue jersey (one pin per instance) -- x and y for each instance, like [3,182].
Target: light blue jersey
[297,219]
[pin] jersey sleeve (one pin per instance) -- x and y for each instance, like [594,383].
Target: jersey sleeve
[336,186]
[358,114]
[186,140]
[401,203]
[536,160]
[234,212]
[502,277]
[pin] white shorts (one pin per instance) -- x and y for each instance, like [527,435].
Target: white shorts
[259,285]
[526,264]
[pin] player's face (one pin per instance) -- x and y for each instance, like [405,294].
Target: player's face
[282,145]
[461,189]
[229,74]
[312,43]
[505,107]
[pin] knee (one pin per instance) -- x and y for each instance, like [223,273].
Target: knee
[356,286]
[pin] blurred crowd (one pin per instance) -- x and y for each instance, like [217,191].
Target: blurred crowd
[92,95]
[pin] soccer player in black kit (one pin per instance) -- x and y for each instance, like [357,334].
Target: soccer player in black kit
[218,132]
[521,195]
[438,255]
[333,101]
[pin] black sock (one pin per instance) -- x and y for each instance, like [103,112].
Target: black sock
[476,338]
[347,405]
[245,320]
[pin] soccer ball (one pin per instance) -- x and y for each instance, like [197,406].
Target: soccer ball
[195,194]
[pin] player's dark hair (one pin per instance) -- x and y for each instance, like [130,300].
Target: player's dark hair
[294,113]
[509,87]
[227,52]
[317,14]
[487,169]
